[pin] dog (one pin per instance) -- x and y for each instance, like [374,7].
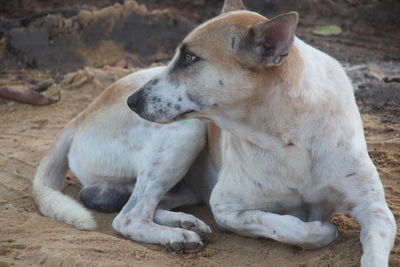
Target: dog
[285,146]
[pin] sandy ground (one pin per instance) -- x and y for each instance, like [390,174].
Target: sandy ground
[27,238]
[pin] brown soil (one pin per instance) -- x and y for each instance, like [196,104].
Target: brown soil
[26,132]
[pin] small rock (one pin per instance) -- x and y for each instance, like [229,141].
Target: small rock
[385,120]
[374,72]
[18,257]
[392,80]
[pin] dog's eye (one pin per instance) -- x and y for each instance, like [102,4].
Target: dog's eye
[187,58]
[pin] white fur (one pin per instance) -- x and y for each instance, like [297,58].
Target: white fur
[60,207]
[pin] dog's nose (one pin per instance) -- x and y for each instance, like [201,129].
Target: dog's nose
[134,100]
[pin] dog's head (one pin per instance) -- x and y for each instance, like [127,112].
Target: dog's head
[217,66]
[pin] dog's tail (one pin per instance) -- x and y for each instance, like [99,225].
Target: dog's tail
[49,180]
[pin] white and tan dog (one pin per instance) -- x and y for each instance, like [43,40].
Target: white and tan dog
[287,151]
[290,148]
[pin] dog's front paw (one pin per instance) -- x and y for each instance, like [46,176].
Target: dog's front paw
[184,221]
[320,234]
[184,241]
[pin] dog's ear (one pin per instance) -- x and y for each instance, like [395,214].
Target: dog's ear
[269,42]
[232,5]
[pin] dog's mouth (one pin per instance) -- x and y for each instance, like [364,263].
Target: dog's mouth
[184,115]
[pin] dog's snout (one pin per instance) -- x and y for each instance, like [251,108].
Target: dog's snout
[135,100]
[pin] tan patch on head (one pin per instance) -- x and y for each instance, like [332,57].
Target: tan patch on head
[288,71]
[286,76]
[212,40]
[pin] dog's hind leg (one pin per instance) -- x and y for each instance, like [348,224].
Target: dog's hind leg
[177,152]
[101,192]
[136,219]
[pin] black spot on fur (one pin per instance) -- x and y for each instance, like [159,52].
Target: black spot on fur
[195,100]
[178,107]
[154,82]
[233,41]
[220,82]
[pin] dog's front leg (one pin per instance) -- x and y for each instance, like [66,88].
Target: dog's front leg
[378,226]
[233,213]
[378,230]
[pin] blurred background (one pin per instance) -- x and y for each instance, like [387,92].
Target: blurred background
[65,35]
[60,36]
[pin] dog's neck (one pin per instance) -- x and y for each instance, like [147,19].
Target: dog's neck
[275,108]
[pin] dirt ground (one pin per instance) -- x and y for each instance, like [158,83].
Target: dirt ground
[26,133]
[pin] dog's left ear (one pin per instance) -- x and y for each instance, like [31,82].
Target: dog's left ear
[269,42]
[232,5]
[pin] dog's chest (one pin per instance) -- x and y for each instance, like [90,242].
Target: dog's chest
[279,179]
